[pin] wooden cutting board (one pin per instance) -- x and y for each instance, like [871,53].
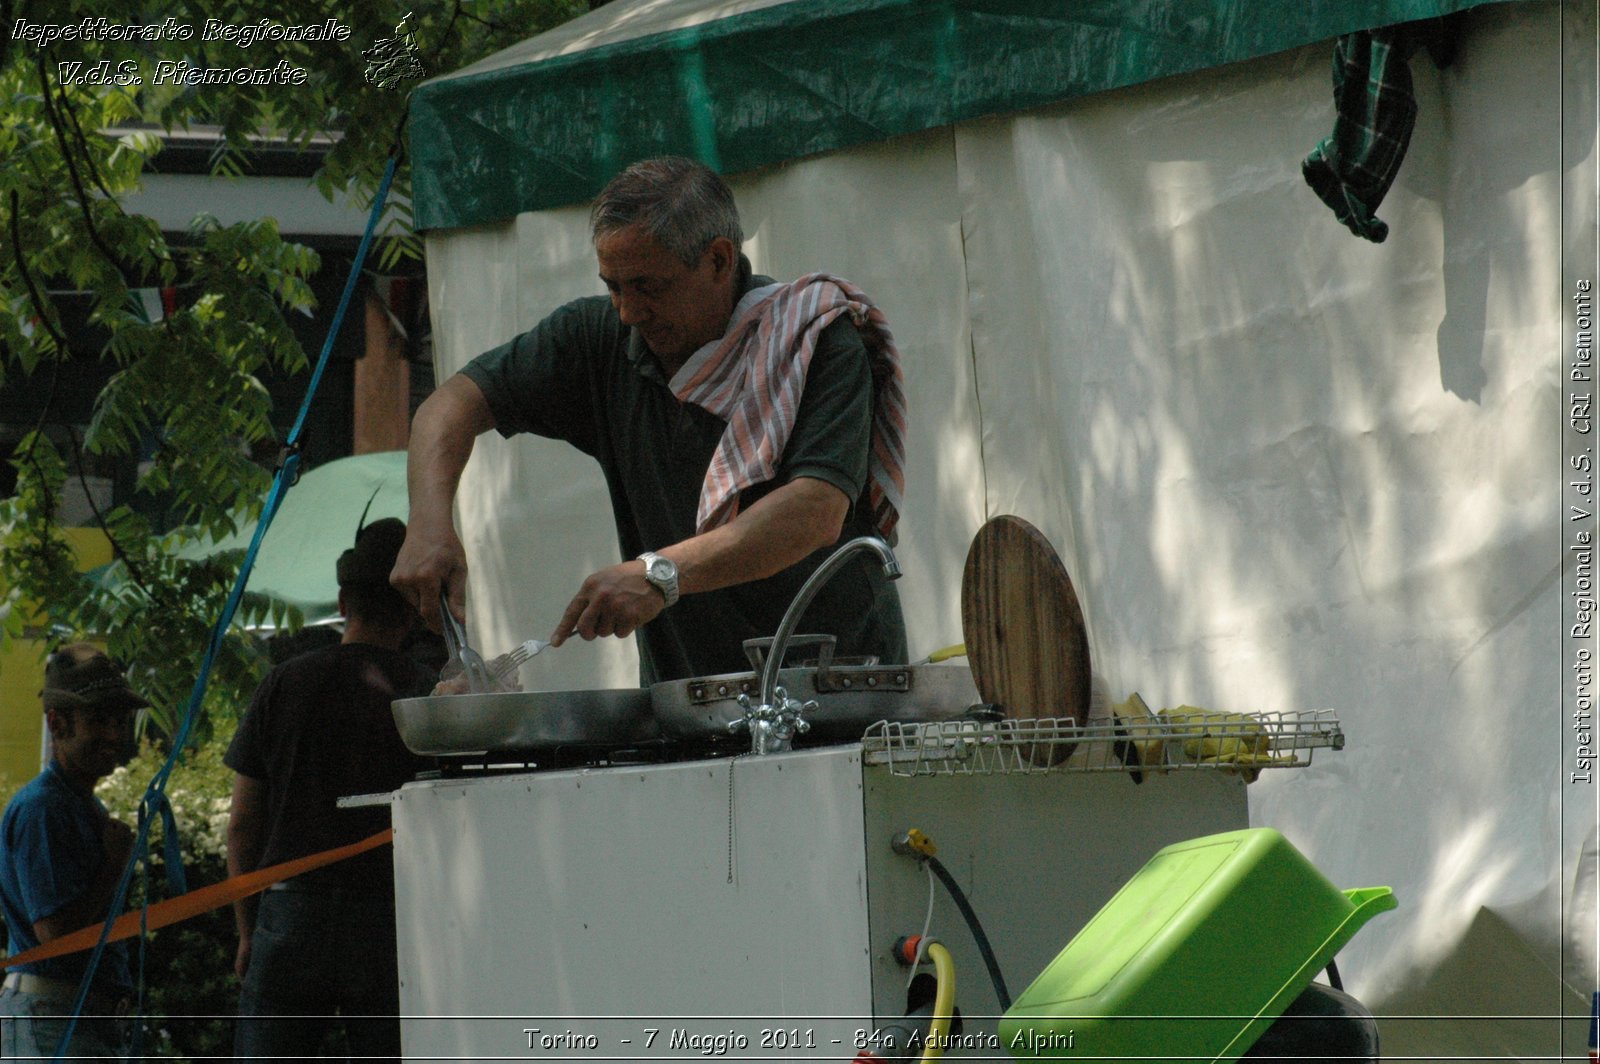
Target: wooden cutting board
[1024,630]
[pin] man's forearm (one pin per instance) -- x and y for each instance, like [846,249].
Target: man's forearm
[246,838]
[784,527]
[92,907]
[787,525]
[244,855]
[442,436]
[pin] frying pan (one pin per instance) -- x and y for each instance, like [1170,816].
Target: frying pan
[524,720]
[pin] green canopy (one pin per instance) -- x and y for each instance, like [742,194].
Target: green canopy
[315,524]
[741,84]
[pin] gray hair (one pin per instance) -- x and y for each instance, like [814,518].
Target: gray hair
[681,203]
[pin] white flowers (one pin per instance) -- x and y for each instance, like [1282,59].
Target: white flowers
[200,790]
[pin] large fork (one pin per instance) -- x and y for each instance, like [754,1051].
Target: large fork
[513,659]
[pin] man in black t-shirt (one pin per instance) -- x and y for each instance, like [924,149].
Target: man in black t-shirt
[613,376]
[320,728]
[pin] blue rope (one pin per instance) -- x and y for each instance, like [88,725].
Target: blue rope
[155,797]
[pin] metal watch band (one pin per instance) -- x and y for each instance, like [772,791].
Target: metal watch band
[668,585]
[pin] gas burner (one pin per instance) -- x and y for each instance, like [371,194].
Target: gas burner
[510,762]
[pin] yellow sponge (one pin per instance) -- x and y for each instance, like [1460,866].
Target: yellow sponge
[1210,735]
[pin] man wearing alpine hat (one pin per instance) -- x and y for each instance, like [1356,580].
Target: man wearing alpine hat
[61,857]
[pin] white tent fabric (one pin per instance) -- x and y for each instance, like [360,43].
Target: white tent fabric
[1287,469]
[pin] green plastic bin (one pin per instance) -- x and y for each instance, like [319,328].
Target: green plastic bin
[1194,957]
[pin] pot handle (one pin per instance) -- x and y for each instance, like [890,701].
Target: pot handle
[756,649]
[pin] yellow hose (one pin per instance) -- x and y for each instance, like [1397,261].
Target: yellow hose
[944,1000]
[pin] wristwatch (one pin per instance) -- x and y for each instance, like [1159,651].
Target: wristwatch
[661,572]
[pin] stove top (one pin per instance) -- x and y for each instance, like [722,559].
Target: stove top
[578,755]
[651,752]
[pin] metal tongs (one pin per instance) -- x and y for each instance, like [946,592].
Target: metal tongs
[479,679]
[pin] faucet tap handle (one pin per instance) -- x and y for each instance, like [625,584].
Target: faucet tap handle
[747,721]
[772,727]
[789,717]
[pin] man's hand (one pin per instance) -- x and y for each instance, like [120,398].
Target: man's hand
[431,558]
[614,601]
[802,516]
[117,840]
[241,959]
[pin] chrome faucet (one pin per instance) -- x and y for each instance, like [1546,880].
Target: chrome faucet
[775,721]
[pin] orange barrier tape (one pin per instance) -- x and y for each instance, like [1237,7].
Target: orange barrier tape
[195,902]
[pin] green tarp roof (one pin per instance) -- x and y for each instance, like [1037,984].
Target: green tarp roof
[750,82]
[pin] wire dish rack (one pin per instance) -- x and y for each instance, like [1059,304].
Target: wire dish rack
[1227,742]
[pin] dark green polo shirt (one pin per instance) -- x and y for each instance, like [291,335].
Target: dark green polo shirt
[583,377]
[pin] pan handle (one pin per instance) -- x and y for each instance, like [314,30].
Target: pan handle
[756,649]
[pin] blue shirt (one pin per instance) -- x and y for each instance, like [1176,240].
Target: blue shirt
[50,854]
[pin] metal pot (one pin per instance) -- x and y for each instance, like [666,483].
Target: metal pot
[850,697]
[524,720]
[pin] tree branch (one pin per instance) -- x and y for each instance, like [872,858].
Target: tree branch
[88,156]
[100,520]
[72,171]
[444,37]
[5,31]
[479,19]
[62,352]
[40,308]
[94,171]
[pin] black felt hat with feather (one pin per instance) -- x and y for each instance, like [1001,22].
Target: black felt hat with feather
[370,561]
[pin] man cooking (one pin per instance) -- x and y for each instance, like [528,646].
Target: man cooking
[745,429]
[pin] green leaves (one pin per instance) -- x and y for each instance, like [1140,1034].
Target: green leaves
[188,380]
[185,392]
[35,559]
